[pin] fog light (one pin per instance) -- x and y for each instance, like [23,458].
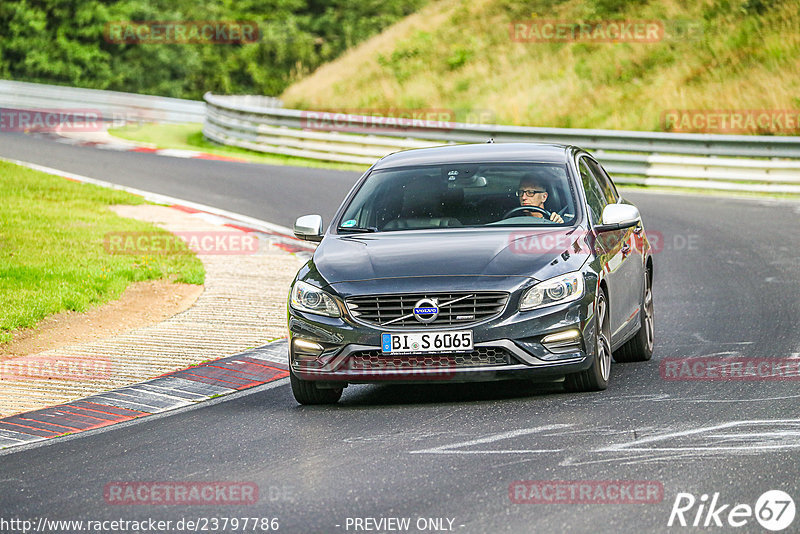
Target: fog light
[306,350]
[566,335]
[561,342]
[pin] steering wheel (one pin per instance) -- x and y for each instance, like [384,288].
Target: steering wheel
[544,212]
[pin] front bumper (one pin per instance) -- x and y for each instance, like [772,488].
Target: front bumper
[508,347]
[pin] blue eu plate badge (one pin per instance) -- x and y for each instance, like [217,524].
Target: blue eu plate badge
[386,341]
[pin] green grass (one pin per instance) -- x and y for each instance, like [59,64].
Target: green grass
[52,254]
[190,137]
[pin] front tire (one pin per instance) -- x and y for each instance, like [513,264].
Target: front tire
[307,392]
[596,377]
[640,347]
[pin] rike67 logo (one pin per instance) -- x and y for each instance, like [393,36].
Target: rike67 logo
[774,510]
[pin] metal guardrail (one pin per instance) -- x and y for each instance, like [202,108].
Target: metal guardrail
[704,161]
[112,105]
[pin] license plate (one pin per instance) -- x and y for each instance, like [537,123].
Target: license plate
[416,342]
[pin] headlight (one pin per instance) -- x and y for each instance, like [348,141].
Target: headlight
[564,288]
[308,298]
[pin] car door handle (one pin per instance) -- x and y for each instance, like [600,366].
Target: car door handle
[626,249]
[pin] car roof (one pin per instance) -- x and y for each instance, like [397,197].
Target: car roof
[477,153]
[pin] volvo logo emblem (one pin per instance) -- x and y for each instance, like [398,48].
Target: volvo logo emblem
[426,310]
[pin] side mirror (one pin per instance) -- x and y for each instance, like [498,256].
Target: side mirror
[308,228]
[619,216]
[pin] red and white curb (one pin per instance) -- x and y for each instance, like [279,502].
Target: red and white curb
[171,391]
[123,146]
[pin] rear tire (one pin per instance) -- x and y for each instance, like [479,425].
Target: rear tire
[596,377]
[640,347]
[307,392]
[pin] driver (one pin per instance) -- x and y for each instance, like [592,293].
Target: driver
[531,192]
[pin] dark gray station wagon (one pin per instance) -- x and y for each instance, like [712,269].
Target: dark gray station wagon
[472,263]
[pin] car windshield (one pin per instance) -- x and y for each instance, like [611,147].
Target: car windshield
[468,195]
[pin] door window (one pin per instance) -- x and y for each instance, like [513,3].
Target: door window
[595,196]
[606,186]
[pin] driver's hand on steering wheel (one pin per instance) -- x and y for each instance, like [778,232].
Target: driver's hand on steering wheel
[554,216]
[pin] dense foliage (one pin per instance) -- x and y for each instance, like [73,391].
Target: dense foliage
[64,42]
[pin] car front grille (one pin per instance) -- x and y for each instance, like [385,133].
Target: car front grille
[387,310]
[372,360]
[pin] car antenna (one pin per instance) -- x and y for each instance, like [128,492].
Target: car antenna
[490,141]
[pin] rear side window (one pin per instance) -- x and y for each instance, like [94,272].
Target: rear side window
[595,197]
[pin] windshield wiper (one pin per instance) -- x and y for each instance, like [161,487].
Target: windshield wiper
[367,230]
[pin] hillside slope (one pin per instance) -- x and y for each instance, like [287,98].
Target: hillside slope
[460,55]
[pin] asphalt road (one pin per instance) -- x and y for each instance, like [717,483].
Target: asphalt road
[273,193]
[726,284]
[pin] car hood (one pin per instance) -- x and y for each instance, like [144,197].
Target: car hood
[535,254]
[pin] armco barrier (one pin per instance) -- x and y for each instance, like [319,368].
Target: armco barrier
[725,162]
[113,105]
[704,161]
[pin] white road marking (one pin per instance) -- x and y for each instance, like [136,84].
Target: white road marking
[700,338]
[627,460]
[750,435]
[449,449]
[178,153]
[748,446]
[118,148]
[719,353]
[739,400]
[663,397]
[703,340]
[732,437]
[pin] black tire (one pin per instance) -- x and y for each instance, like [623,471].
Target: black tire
[596,377]
[307,392]
[639,348]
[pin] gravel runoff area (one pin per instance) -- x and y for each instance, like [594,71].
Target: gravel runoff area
[243,305]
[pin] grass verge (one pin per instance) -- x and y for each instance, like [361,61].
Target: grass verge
[190,137]
[52,254]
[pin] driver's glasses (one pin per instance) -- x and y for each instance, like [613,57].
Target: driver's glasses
[528,192]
